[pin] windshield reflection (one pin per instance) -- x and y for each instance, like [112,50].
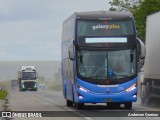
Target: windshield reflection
[107,64]
[28,75]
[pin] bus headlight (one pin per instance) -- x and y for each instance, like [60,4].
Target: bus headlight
[23,86]
[131,88]
[82,88]
[35,85]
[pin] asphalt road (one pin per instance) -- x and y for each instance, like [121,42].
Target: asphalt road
[55,103]
[29,102]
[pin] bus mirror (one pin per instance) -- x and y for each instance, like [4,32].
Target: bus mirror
[141,49]
[141,54]
[70,52]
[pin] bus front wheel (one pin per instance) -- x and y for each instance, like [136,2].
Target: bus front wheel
[69,103]
[79,106]
[128,105]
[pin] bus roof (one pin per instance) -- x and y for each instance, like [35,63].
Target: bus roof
[101,15]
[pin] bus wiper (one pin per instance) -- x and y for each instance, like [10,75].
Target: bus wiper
[91,77]
[95,76]
[124,75]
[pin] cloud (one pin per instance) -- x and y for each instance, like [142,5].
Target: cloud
[31,29]
[25,9]
[29,39]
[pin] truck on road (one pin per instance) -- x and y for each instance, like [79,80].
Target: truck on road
[27,78]
[150,84]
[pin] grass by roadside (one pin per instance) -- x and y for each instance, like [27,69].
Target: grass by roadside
[3,94]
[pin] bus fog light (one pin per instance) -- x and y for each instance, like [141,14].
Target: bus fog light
[134,96]
[80,97]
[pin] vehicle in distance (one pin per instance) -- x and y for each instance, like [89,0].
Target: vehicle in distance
[27,78]
[150,83]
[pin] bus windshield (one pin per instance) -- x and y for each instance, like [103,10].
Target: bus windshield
[106,65]
[28,75]
[105,28]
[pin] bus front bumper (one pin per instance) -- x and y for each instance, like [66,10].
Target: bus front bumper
[88,97]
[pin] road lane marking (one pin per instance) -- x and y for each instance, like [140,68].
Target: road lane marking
[81,115]
[134,105]
[46,99]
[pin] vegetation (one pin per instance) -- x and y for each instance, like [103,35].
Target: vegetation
[3,94]
[6,85]
[140,9]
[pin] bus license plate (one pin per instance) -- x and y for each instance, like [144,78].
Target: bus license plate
[108,100]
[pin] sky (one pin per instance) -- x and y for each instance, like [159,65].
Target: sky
[30,30]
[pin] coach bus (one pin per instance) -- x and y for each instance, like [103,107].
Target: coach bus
[99,58]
